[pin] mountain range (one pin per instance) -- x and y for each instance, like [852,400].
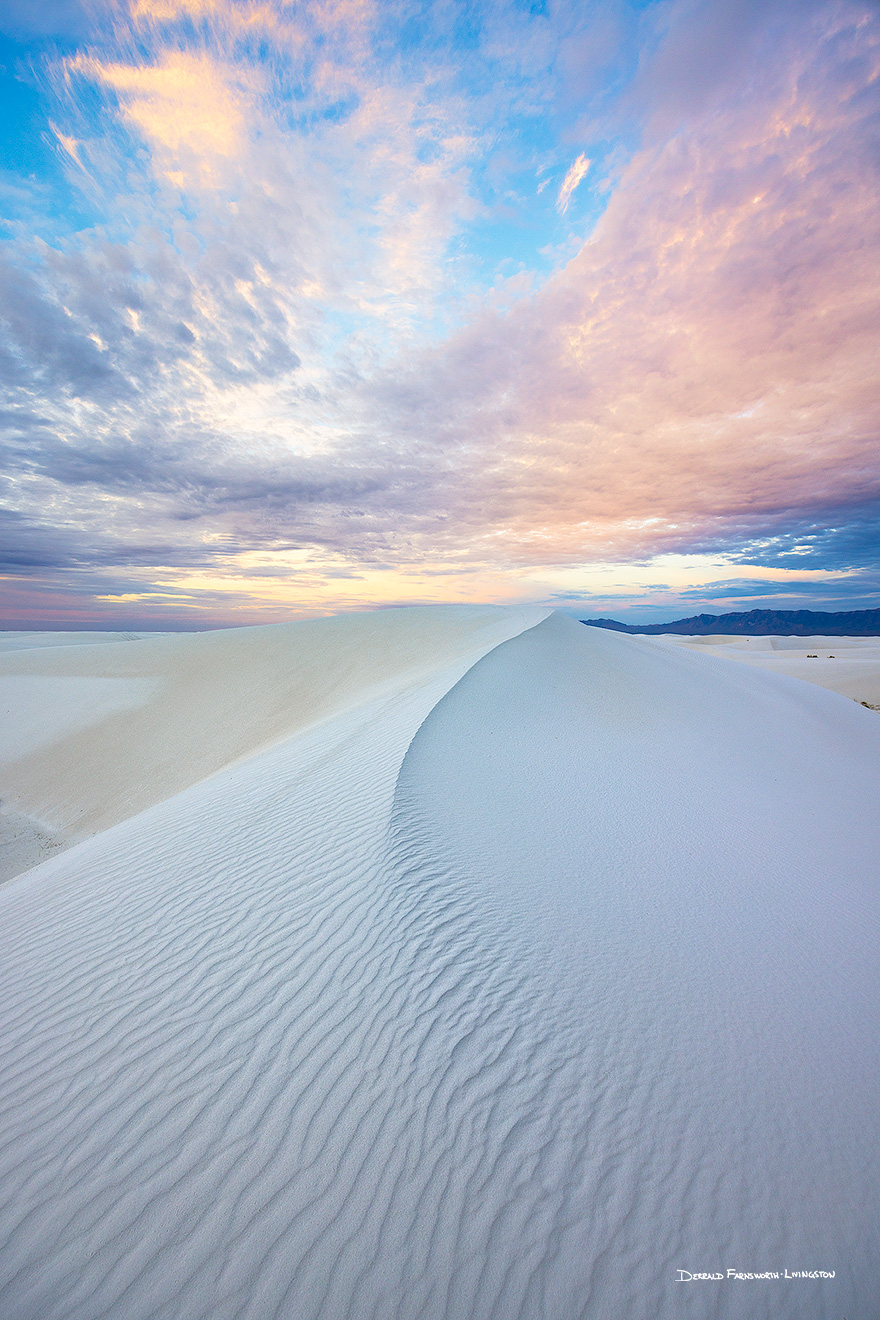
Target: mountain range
[785,623]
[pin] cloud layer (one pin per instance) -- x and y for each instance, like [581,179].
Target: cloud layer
[291,363]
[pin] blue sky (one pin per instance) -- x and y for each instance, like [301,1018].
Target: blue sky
[328,306]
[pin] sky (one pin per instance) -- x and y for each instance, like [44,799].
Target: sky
[328,306]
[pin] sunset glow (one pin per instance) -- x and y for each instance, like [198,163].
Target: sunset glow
[335,305]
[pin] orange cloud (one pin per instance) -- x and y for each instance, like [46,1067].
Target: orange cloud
[165,10]
[191,109]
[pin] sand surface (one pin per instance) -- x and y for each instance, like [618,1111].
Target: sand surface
[33,640]
[94,733]
[848,665]
[538,967]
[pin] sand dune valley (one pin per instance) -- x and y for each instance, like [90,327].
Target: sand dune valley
[449,963]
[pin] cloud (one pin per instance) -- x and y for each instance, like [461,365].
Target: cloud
[706,363]
[29,545]
[42,345]
[193,111]
[846,537]
[165,10]
[575,174]
[276,342]
[705,51]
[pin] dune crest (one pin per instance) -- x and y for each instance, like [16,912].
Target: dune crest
[104,731]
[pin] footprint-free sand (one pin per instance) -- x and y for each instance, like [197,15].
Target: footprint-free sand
[438,964]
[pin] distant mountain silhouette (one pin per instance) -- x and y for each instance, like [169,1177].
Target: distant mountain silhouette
[782,623]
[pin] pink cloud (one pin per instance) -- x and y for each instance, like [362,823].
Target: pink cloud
[708,360]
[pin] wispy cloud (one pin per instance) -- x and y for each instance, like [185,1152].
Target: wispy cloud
[190,109]
[577,171]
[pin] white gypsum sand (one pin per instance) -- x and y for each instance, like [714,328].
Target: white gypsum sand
[848,665]
[35,640]
[509,986]
[96,733]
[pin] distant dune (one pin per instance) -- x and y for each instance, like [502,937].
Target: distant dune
[848,665]
[440,964]
[792,623]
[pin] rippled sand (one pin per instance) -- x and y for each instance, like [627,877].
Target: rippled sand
[505,968]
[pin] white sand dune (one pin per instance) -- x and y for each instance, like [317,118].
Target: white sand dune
[848,665]
[535,964]
[93,734]
[34,640]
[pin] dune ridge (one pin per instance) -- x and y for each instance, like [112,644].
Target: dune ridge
[97,733]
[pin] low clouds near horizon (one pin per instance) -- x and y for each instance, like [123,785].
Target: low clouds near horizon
[342,304]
